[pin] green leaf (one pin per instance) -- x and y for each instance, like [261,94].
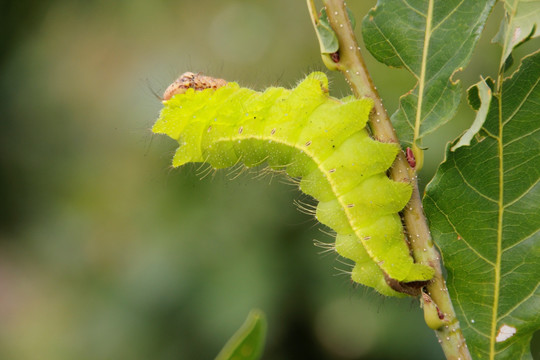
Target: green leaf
[328,40]
[482,99]
[484,209]
[521,23]
[248,342]
[432,40]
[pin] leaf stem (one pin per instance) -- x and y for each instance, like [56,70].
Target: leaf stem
[352,65]
[313,12]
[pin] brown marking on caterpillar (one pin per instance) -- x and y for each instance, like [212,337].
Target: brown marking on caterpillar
[241,129]
[189,80]
[308,143]
[209,128]
[335,57]
[350,205]
[273,131]
[410,157]
[413,288]
[332,171]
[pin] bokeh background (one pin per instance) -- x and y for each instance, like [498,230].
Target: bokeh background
[108,253]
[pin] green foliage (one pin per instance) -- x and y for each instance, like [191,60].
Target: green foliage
[483,202]
[520,23]
[328,40]
[248,342]
[432,40]
[479,99]
[321,140]
[484,214]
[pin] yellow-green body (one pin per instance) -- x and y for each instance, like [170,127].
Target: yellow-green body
[319,139]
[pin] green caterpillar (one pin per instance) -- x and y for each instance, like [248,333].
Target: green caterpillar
[319,139]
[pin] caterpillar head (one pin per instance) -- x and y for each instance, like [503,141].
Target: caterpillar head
[189,80]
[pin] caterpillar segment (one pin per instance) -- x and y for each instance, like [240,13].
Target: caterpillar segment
[324,142]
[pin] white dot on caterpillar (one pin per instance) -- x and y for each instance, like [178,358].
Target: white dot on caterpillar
[340,25]
[308,143]
[273,131]
[241,129]
[335,13]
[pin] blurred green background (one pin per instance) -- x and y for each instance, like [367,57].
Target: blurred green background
[108,253]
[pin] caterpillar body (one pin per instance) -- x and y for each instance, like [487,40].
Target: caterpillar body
[323,142]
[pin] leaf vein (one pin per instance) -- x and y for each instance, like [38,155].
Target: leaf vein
[473,188]
[522,194]
[521,241]
[530,295]
[447,16]
[413,8]
[533,87]
[405,65]
[480,256]
[521,137]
